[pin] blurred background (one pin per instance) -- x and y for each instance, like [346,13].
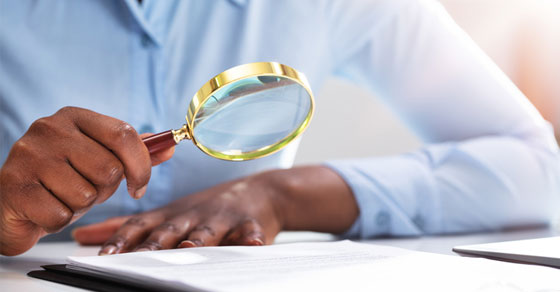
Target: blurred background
[521,36]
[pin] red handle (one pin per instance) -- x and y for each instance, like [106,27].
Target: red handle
[159,142]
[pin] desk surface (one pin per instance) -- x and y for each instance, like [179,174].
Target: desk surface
[13,270]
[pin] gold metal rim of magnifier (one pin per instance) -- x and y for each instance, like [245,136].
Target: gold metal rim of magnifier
[232,75]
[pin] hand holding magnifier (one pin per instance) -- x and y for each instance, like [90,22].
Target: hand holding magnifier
[245,112]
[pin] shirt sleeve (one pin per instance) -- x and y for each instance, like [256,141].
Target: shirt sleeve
[489,161]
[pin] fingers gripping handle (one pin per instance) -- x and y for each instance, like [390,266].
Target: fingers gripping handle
[160,141]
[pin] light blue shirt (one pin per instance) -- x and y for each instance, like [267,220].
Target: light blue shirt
[489,160]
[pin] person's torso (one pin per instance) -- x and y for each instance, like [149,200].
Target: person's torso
[142,65]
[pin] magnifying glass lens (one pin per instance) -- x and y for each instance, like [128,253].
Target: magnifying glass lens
[251,114]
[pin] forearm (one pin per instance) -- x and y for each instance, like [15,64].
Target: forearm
[481,184]
[311,198]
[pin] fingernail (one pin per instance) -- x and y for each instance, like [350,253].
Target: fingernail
[140,192]
[188,243]
[108,249]
[185,244]
[255,241]
[142,249]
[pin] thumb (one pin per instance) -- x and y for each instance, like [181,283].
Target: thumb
[160,156]
[98,233]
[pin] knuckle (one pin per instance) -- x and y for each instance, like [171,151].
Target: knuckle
[136,221]
[205,229]
[22,146]
[86,197]
[47,128]
[113,172]
[27,154]
[125,132]
[167,227]
[42,125]
[67,110]
[24,149]
[60,219]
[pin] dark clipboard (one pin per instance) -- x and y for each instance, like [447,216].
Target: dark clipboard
[527,251]
[62,275]
[511,258]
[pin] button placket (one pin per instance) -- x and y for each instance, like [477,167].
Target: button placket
[382,219]
[145,41]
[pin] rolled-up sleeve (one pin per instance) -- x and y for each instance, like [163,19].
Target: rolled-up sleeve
[490,161]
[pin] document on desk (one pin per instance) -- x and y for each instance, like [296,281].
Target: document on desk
[325,266]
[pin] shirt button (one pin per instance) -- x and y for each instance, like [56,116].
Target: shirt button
[383,219]
[146,128]
[145,41]
[419,221]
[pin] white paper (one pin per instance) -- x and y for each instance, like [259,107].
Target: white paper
[325,266]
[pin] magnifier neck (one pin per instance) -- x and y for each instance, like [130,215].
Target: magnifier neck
[181,134]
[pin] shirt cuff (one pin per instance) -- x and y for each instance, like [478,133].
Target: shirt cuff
[395,196]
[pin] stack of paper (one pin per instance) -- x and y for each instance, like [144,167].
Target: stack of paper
[327,266]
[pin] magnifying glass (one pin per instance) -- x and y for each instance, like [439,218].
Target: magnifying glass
[246,112]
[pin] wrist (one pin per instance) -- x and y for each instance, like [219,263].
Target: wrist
[310,198]
[276,186]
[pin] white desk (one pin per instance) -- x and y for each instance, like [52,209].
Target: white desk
[13,270]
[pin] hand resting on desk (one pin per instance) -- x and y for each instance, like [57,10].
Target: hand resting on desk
[248,211]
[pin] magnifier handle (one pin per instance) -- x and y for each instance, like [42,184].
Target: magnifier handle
[159,142]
